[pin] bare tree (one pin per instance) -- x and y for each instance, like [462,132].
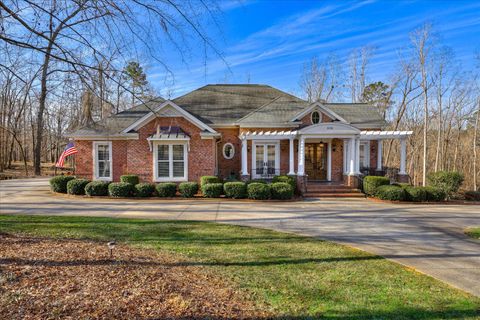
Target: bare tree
[359,60]
[321,80]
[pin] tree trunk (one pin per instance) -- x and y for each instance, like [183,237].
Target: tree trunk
[475,132]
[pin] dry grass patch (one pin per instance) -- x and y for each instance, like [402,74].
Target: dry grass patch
[75,279]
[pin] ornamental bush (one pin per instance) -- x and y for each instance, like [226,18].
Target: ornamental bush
[434,194]
[256,181]
[281,190]
[448,181]
[188,189]
[472,195]
[209,179]
[235,190]
[59,183]
[371,183]
[144,190]
[416,194]
[258,191]
[166,189]
[212,190]
[96,188]
[393,193]
[77,186]
[121,189]
[130,178]
[288,179]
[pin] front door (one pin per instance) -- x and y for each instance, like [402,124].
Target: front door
[316,161]
[265,163]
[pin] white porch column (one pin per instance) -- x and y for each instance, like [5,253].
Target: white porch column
[345,156]
[351,157]
[403,156]
[329,161]
[357,155]
[291,163]
[244,157]
[379,154]
[301,157]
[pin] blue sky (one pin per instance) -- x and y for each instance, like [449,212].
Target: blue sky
[269,41]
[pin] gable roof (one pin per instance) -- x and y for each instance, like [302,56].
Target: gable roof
[360,115]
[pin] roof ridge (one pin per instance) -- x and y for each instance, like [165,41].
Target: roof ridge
[261,107]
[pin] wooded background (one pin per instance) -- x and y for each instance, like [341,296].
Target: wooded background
[68,63]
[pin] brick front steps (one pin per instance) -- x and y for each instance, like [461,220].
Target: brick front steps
[330,190]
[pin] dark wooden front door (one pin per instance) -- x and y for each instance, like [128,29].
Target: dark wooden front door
[316,161]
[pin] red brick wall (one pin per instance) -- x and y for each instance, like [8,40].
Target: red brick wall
[307,120]
[84,159]
[227,166]
[337,160]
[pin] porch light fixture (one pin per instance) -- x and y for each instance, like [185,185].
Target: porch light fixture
[111,246]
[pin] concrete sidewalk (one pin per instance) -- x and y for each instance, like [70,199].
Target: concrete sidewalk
[428,238]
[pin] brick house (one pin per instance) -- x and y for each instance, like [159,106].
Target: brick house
[245,131]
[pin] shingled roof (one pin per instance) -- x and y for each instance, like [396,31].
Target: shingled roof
[244,104]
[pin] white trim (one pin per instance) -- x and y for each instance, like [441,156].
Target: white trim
[268,135]
[320,117]
[151,115]
[377,135]
[95,160]
[329,160]
[331,129]
[291,160]
[170,178]
[265,144]
[244,157]
[322,108]
[233,150]
[129,136]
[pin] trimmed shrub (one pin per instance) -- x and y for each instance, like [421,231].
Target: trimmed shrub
[448,181]
[281,190]
[434,194]
[258,191]
[77,186]
[209,179]
[472,195]
[166,189]
[212,190]
[188,189]
[416,194]
[96,188]
[256,181]
[235,190]
[59,183]
[144,190]
[130,178]
[121,189]
[393,193]
[288,179]
[371,184]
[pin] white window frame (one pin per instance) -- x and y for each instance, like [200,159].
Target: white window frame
[276,143]
[95,160]
[170,178]
[320,117]
[366,154]
[233,150]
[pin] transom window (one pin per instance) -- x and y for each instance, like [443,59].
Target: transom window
[170,162]
[228,150]
[102,159]
[315,117]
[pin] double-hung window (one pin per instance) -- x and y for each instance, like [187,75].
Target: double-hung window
[102,160]
[170,162]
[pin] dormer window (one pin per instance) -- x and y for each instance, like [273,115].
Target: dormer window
[315,117]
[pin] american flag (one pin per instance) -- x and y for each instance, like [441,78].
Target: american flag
[69,149]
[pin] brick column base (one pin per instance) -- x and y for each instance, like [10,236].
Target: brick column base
[403,178]
[351,181]
[301,185]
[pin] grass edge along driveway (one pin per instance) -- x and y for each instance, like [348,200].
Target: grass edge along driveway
[293,276]
[473,232]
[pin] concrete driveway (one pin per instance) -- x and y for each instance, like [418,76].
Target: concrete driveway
[428,238]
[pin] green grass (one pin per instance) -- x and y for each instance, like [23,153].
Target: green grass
[473,232]
[296,277]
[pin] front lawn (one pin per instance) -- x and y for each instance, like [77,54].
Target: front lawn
[288,275]
[473,232]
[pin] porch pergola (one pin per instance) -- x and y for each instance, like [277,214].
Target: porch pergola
[351,136]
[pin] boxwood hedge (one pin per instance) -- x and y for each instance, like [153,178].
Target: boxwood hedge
[77,186]
[434,194]
[288,179]
[130,178]
[394,193]
[120,189]
[59,183]
[144,190]
[188,189]
[212,190]
[472,195]
[209,179]
[448,181]
[235,190]
[96,188]
[258,191]
[371,183]
[166,189]
[415,194]
[281,190]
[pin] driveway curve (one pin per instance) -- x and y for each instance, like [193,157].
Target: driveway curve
[428,238]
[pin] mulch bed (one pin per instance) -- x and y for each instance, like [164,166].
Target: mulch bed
[75,279]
